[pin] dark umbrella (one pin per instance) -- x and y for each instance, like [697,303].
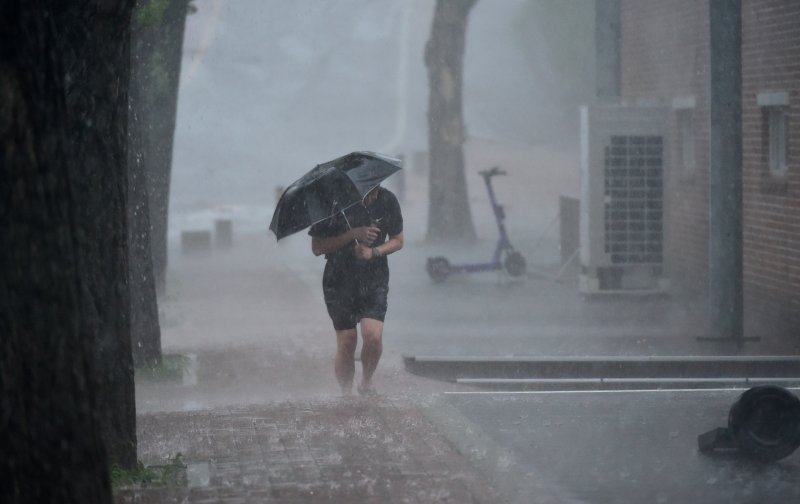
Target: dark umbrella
[330,188]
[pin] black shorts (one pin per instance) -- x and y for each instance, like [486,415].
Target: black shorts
[350,298]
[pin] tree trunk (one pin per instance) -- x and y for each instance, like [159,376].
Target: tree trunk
[449,214]
[145,328]
[97,101]
[158,53]
[63,306]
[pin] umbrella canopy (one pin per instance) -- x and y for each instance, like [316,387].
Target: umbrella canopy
[330,188]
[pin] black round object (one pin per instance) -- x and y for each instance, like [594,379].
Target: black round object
[438,268]
[515,264]
[765,423]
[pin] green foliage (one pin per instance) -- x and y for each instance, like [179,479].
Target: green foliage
[563,34]
[171,474]
[152,13]
[171,368]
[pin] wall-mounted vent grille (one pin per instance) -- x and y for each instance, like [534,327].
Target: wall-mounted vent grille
[634,199]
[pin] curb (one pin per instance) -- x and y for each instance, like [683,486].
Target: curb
[594,371]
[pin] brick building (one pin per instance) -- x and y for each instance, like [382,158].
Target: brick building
[664,54]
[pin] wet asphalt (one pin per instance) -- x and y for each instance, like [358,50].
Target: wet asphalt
[622,447]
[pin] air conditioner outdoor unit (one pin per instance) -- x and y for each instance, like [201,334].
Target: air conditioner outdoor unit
[623,205]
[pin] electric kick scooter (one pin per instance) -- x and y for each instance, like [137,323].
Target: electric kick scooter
[504,258]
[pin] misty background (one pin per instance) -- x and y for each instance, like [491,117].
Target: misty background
[270,88]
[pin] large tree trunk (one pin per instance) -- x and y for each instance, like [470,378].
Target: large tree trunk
[66,379]
[97,100]
[158,54]
[52,448]
[145,328]
[449,215]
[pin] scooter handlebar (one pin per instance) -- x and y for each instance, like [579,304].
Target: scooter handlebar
[491,172]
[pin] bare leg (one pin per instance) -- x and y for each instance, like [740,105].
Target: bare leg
[372,334]
[344,363]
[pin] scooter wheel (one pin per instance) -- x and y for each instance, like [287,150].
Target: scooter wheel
[765,423]
[438,268]
[515,264]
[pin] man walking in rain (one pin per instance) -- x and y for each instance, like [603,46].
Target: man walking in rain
[355,283]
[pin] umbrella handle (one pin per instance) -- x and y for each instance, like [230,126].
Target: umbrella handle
[348,224]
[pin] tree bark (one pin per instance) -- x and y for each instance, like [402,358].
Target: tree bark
[65,369]
[449,214]
[97,101]
[158,55]
[145,328]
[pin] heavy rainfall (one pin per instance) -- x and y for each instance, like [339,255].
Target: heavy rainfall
[518,251]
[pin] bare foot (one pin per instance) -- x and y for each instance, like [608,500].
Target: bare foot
[367,391]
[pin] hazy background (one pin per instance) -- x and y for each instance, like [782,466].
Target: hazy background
[271,88]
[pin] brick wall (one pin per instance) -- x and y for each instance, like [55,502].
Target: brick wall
[771,62]
[664,54]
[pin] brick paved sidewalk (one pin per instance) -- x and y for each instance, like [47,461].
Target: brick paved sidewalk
[347,450]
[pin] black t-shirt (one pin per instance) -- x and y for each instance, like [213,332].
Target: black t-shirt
[384,214]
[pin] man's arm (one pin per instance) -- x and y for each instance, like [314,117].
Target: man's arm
[393,244]
[325,245]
